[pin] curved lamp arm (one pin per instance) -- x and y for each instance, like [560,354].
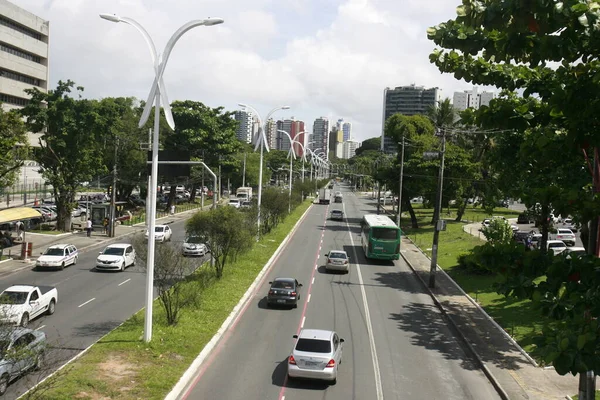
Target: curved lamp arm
[291,152]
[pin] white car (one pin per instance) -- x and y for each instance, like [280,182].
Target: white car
[574,252]
[337,260]
[193,246]
[58,256]
[116,256]
[162,233]
[20,304]
[557,246]
[317,354]
[234,203]
[566,235]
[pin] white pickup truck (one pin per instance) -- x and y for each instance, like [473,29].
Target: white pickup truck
[21,303]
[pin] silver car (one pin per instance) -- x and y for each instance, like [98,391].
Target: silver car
[316,355]
[193,246]
[337,260]
[21,349]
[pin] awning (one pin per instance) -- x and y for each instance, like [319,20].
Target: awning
[18,214]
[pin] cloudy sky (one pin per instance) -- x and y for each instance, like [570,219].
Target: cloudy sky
[328,58]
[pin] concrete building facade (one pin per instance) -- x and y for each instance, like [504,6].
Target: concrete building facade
[294,128]
[406,100]
[349,148]
[347,131]
[24,52]
[245,130]
[320,135]
[271,133]
[472,99]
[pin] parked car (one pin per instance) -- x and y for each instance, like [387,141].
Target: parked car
[524,218]
[246,204]
[193,246]
[58,256]
[117,256]
[557,246]
[19,304]
[566,235]
[317,354]
[162,233]
[284,291]
[337,260]
[21,349]
[573,252]
[337,214]
[234,203]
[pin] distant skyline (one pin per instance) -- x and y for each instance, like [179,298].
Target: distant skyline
[328,58]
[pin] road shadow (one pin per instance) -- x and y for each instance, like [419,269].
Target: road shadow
[431,332]
[279,378]
[323,270]
[95,328]
[264,305]
[401,280]
[361,259]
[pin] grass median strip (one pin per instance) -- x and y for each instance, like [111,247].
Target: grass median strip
[517,317]
[122,366]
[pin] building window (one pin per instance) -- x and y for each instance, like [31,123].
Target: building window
[19,53]
[20,28]
[4,73]
[16,101]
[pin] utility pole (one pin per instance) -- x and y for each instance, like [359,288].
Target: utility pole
[400,190]
[244,175]
[113,199]
[437,211]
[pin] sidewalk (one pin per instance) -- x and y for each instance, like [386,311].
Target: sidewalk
[77,238]
[514,374]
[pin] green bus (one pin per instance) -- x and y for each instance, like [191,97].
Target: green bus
[380,237]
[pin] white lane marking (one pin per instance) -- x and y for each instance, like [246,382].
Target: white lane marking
[313,281]
[316,266]
[308,301]
[303,319]
[378,386]
[124,282]
[43,326]
[89,301]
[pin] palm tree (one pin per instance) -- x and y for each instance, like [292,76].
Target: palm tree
[443,114]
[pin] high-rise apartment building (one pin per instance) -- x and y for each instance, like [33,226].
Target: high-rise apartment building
[271,133]
[23,57]
[245,130]
[347,130]
[472,99]
[406,100]
[320,135]
[349,148]
[295,129]
[339,150]
[333,140]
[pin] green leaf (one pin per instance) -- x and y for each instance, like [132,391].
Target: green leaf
[564,344]
[581,341]
[562,363]
[462,36]
[461,11]
[555,112]
[579,8]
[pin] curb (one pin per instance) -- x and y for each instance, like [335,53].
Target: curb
[492,320]
[503,395]
[188,375]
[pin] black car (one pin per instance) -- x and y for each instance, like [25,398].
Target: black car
[524,218]
[284,291]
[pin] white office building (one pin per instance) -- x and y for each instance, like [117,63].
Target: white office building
[245,129]
[472,99]
[349,148]
[339,150]
[23,57]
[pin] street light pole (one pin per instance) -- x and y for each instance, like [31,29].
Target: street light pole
[157,92]
[400,190]
[261,141]
[438,212]
[291,154]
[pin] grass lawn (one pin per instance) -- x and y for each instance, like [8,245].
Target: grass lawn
[597,397]
[517,317]
[122,366]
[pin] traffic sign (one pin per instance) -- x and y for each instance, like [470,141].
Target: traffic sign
[431,155]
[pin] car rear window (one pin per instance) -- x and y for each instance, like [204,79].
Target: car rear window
[282,285]
[313,345]
[337,255]
[550,245]
[564,231]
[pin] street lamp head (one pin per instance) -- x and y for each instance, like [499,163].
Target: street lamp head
[243,105]
[210,21]
[285,107]
[111,17]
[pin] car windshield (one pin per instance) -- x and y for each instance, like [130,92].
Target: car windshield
[551,245]
[282,285]
[159,229]
[564,232]
[54,252]
[337,255]
[336,212]
[114,251]
[314,345]
[13,298]
[194,239]
[384,233]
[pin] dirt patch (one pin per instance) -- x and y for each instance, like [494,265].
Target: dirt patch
[91,396]
[117,372]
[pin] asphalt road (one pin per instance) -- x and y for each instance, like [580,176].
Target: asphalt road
[90,304]
[397,345]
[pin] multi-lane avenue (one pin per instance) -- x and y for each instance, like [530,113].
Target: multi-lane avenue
[397,345]
[90,304]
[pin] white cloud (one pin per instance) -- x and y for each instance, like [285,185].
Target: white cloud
[322,57]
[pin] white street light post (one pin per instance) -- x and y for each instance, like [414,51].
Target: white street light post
[303,156]
[291,155]
[261,140]
[157,93]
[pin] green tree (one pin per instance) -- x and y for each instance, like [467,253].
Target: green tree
[226,232]
[443,114]
[369,144]
[14,147]
[70,153]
